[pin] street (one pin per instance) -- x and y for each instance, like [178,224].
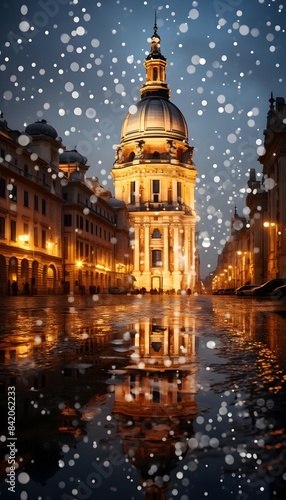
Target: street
[133,397]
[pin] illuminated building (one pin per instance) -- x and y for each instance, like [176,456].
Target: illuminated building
[155,176]
[96,231]
[59,230]
[257,248]
[30,209]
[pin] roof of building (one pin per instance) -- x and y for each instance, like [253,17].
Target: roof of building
[41,127]
[155,115]
[115,203]
[72,156]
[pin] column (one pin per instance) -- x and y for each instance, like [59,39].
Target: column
[166,248]
[146,247]
[136,248]
[176,249]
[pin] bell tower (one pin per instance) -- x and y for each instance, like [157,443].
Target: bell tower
[154,174]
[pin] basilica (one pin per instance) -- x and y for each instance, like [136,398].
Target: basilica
[154,174]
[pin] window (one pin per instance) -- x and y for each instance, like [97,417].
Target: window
[86,250]
[44,239]
[36,236]
[36,202]
[26,199]
[156,258]
[44,207]
[179,192]
[66,248]
[2,227]
[2,187]
[14,193]
[156,190]
[26,170]
[26,228]
[87,225]
[155,74]
[91,227]
[156,233]
[132,192]
[13,230]
[68,220]
[79,221]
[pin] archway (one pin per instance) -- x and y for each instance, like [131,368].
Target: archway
[3,276]
[156,283]
[51,279]
[25,277]
[13,269]
[34,279]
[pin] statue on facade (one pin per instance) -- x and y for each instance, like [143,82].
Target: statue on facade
[171,148]
[191,153]
[119,157]
[139,148]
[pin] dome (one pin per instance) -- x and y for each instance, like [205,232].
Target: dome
[41,128]
[72,156]
[157,116]
[115,203]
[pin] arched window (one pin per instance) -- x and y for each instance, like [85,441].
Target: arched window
[131,156]
[155,74]
[156,154]
[156,234]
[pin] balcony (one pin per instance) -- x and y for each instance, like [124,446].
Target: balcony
[160,207]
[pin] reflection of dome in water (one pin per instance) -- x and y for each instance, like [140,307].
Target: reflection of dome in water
[41,128]
[155,116]
[72,156]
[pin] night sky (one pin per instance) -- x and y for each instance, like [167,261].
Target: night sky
[79,65]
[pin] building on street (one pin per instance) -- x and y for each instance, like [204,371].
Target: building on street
[154,174]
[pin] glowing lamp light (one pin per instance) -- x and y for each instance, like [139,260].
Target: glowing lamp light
[24,238]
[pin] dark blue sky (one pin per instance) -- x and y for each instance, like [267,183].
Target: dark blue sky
[79,65]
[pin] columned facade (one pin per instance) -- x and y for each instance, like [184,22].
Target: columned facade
[155,176]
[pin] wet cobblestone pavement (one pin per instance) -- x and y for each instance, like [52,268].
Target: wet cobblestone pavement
[133,397]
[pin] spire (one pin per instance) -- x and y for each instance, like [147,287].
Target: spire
[155,24]
[271,113]
[272,101]
[155,64]
[155,51]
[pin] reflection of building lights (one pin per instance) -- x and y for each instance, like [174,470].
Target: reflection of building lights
[267,224]
[120,267]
